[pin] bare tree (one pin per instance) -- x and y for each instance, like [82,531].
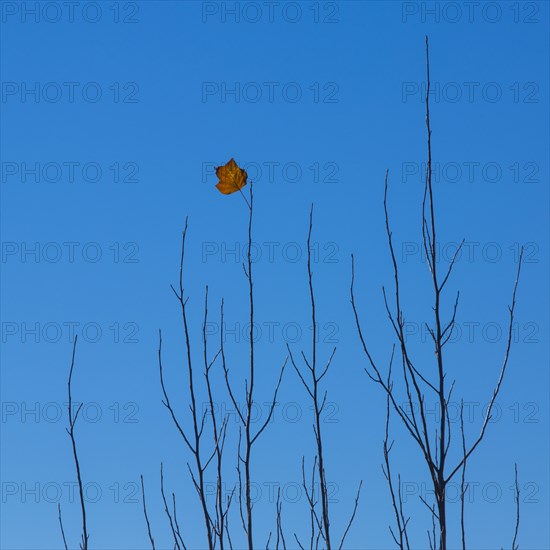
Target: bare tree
[434,444]
[434,447]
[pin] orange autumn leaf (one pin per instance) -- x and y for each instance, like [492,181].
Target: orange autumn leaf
[232,178]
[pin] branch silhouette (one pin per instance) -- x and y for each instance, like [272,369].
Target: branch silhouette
[70,430]
[416,383]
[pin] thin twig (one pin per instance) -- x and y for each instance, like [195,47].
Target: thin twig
[516,498]
[246,417]
[70,431]
[193,442]
[61,526]
[280,534]
[178,532]
[313,389]
[352,516]
[145,514]
[463,484]
[219,438]
[167,511]
[397,508]
[488,417]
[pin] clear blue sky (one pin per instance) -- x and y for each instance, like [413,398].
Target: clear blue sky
[112,121]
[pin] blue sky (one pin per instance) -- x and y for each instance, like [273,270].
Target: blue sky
[113,117]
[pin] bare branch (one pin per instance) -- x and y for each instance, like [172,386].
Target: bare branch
[172,528]
[280,535]
[352,516]
[145,513]
[511,309]
[218,436]
[272,406]
[166,401]
[225,369]
[434,450]
[70,431]
[516,498]
[193,442]
[453,260]
[61,526]
[178,533]
[304,383]
[463,484]
[387,469]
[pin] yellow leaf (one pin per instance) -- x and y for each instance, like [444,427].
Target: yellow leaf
[232,178]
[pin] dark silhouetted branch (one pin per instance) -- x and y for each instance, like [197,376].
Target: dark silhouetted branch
[280,534]
[463,484]
[434,446]
[175,532]
[312,387]
[517,501]
[61,526]
[145,514]
[246,417]
[70,431]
